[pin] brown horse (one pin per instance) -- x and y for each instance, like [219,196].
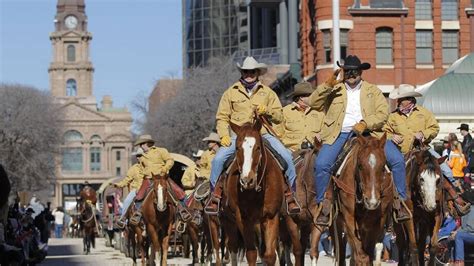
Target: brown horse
[301,226]
[159,212]
[424,187]
[365,196]
[4,194]
[88,222]
[254,192]
[136,242]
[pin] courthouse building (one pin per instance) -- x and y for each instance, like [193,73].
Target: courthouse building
[97,141]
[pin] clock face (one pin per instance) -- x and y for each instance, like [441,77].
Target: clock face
[71,22]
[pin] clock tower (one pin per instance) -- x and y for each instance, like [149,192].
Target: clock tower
[70,71]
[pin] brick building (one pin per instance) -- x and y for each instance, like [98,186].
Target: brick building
[412,41]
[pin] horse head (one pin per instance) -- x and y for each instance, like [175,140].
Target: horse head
[426,178]
[160,186]
[370,169]
[249,152]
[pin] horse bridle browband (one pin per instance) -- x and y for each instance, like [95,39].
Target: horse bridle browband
[258,187]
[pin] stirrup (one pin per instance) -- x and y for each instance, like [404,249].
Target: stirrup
[210,211]
[402,205]
[184,214]
[120,224]
[292,200]
[136,217]
[462,210]
[180,226]
[320,212]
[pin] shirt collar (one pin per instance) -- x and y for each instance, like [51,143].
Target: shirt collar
[357,87]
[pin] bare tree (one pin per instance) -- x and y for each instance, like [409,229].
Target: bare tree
[30,127]
[180,123]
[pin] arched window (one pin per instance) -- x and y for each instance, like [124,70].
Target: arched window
[72,135]
[71,53]
[71,87]
[96,138]
[384,46]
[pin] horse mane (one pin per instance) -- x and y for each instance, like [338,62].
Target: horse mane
[430,161]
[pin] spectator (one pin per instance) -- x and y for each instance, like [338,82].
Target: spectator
[465,234]
[457,161]
[446,147]
[467,138]
[58,214]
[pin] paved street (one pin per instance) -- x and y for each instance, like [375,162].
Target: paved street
[69,252]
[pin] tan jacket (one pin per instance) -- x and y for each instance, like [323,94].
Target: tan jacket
[421,119]
[205,165]
[299,126]
[333,103]
[189,179]
[134,177]
[155,161]
[237,107]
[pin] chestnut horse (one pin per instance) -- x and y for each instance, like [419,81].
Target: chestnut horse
[424,187]
[159,213]
[254,194]
[365,196]
[137,243]
[301,226]
[88,224]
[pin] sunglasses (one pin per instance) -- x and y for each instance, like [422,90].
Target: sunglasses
[249,71]
[352,72]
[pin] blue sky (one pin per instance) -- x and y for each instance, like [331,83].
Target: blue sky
[135,42]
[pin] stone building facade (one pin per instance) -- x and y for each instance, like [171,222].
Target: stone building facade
[97,141]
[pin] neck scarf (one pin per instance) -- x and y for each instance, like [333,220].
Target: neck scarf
[248,85]
[406,110]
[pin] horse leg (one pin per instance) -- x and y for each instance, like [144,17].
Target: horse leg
[165,244]
[248,233]
[434,238]
[410,227]
[270,237]
[194,241]
[214,239]
[305,232]
[295,239]
[153,234]
[314,248]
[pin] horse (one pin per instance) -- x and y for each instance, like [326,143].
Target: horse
[136,242]
[254,194]
[364,192]
[424,187]
[88,221]
[300,227]
[159,212]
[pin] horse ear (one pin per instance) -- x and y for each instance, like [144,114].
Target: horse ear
[257,124]
[235,128]
[383,140]
[442,159]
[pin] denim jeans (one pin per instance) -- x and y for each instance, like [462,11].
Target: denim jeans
[58,230]
[126,203]
[445,169]
[225,152]
[461,238]
[327,156]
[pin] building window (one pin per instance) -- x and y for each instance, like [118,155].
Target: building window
[327,46]
[423,10]
[118,171]
[95,159]
[72,135]
[424,47]
[449,9]
[71,160]
[71,189]
[383,44]
[327,43]
[386,4]
[117,155]
[71,53]
[71,87]
[344,42]
[450,46]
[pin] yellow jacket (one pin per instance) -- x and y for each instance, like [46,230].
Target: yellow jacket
[421,119]
[237,107]
[189,179]
[155,161]
[134,177]
[205,165]
[457,163]
[299,126]
[333,103]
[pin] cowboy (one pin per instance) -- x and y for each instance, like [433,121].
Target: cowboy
[191,173]
[134,178]
[213,145]
[410,122]
[155,162]
[237,106]
[302,123]
[351,105]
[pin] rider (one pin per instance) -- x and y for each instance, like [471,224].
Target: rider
[237,106]
[134,178]
[302,123]
[351,105]
[410,122]
[189,176]
[156,162]
[213,145]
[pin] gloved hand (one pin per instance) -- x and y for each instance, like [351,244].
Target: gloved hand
[360,127]
[163,172]
[261,109]
[419,136]
[332,80]
[226,141]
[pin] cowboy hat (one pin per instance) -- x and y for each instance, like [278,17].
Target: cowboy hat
[353,62]
[250,63]
[198,154]
[302,88]
[404,90]
[138,152]
[30,210]
[464,127]
[144,139]
[212,137]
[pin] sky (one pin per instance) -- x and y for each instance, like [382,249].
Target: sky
[135,42]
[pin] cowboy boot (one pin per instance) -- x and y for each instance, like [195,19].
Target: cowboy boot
[292,205]
[402,213]
[324,213]
[213,204]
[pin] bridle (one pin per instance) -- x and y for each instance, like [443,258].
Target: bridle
[262,159]
[359,185]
